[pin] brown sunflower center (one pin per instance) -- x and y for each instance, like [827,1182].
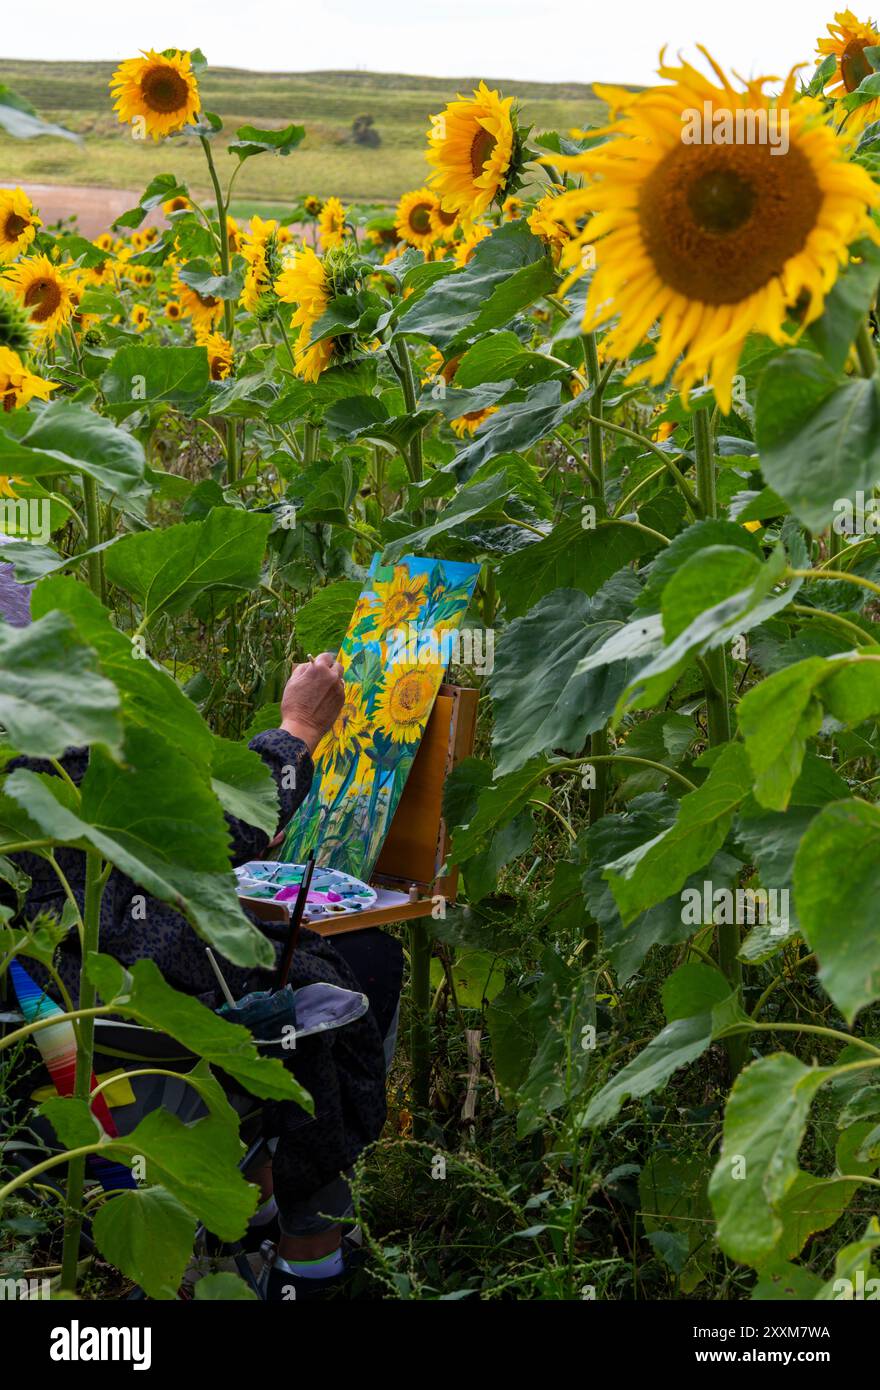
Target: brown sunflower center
[164,90]
[420,218]
[448,219]
[409,695]
[720,221]
[15,225]
[43,297]
[854,66]
[207,301]
[482,146]
[397,608]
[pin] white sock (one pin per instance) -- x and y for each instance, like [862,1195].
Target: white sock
[325,1268]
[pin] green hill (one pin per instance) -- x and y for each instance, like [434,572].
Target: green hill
[326,103]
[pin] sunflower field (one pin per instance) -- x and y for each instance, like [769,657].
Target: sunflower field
[631,371]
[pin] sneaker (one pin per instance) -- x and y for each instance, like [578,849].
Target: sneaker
[284,1286]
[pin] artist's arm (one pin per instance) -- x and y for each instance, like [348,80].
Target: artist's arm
[310,704]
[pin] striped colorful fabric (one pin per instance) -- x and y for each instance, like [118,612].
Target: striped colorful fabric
[57,1046]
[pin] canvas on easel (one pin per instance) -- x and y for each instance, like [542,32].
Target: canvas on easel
[394,657]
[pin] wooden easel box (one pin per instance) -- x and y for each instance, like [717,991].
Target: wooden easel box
[407,876]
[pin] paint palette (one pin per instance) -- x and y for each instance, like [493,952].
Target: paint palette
[332,893]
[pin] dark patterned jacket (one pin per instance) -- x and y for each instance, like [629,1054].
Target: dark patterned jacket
[344,1070]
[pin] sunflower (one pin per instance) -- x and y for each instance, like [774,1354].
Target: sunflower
[848,41]
[257,282]
[219,351]
[331,224]
[18,386]
[470,423]
[312,205]
[178,204]
[160,89]
[173,310]
[404,701]
[545,223]
[471,146]
[204,310]
[465,248]
[364,612]
[45,292]
[106,242]
[401,598]
[255,247]
[104,273]
[443,224]
[18,223]
[413,218]
[140,317]
[304,283]
[233,235]
[350,728]
[512,208]
[715,241]
[437,366]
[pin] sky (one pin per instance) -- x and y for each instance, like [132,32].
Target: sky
[537,40]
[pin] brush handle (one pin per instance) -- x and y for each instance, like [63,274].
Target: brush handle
[295,923]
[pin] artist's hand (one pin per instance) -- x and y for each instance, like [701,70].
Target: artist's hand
[312,699]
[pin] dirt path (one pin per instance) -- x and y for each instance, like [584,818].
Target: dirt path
[95,208]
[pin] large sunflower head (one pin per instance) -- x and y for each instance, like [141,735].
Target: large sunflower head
[18,223]
[847,41]
[45,292]
[331,224]
[304,284]
[18,385]
[159,89]
[714,238]
[413,222]
[473,148]
[401,598]
[405,699]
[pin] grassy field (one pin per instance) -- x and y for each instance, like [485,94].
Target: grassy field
[326,103]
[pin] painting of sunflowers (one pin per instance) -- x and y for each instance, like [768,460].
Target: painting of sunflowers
[394,658]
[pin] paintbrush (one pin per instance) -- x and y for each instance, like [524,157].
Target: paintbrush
[295,923]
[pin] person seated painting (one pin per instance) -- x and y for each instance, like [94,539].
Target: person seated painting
[303,1180]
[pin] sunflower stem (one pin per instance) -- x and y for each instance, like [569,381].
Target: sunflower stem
[718,724]
[228,306]
[95,563]
[594,427]
[94,890]
[408,382]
